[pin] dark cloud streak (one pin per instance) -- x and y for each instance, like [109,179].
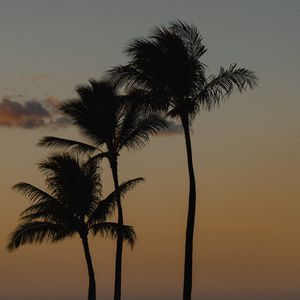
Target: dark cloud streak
[174,128]
[31,113]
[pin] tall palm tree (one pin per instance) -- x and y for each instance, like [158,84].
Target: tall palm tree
[165,69]
[74,205]
[109,123]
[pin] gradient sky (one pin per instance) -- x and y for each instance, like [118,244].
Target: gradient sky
[246,153]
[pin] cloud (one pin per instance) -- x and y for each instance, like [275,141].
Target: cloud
[174,128]
[40,113]
[31,114]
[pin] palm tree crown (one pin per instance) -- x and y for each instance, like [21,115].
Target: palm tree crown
[74,205]
[166,69]
[110,122]
[166,74]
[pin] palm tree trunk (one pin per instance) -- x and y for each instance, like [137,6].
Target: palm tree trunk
[119,250]
[188,262]
[92,282]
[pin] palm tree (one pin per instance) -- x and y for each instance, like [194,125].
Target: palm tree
[165,69]
[110,123]
[74,206]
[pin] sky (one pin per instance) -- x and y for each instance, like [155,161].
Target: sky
[246,152]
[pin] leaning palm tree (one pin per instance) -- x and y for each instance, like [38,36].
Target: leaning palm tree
[166,71]
[73,206]
[110,123]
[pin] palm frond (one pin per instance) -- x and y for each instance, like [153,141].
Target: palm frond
[50,210]
[96,110]
[128,77]
[35,194]
[128,234]
[37,232]
[191,37]
[106,207]
[147,61]
[56,142]
[221,86]
[99,156]
[129,185]
[112,230]
[144,125]
[102,211]
[60,164]
[76,183]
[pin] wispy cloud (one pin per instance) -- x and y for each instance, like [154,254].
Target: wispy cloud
[31,113]
[40,113]
[174,128]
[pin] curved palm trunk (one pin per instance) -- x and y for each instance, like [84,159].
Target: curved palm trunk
[188,263]
[119,250]
[92,282]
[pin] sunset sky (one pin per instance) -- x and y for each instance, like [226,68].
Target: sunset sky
[246,152]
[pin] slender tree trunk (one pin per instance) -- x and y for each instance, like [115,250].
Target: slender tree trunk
[92,282]
[188,262]
[119,250]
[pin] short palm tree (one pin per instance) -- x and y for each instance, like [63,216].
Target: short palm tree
[109,123]
[73,206]
[165,69]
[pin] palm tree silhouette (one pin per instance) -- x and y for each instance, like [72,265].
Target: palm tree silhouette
[110,122]
[73,206]
[166,71]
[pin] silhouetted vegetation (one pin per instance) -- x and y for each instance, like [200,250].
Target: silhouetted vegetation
[74,205]
[110,122]
[165,77]
[166,70]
